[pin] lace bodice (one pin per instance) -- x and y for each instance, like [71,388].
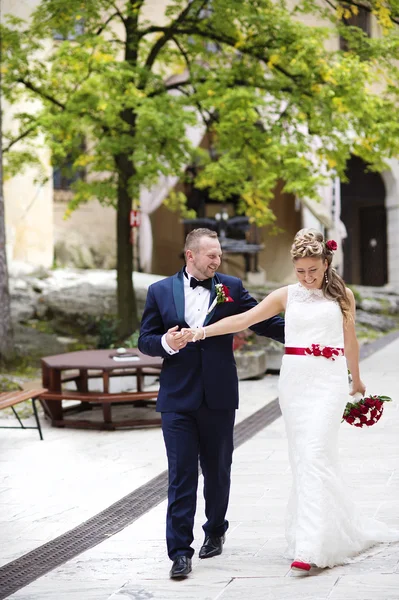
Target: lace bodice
[310,318]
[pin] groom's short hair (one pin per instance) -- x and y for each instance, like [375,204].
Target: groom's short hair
[194,237]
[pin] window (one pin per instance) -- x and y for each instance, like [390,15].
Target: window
[64,175]
[63,178]
[361,21]
[78,29]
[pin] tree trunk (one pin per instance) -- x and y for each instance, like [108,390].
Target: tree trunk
[6,332]
[127,307]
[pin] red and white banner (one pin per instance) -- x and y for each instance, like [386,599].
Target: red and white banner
[135,218]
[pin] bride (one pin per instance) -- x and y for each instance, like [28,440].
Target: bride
[323,527]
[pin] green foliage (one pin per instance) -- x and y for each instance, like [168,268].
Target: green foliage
[357,294]
[277,98]
[132,341]
[107,331]
[278,104]
[177,202]
[8,385]
[18,365]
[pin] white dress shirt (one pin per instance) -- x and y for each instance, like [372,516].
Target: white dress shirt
[196,304]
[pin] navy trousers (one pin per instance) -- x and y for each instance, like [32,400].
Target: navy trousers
[207,434]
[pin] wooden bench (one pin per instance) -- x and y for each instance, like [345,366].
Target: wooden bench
[105,400]
[10,399]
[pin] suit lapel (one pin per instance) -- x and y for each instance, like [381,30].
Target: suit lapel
[178,297]
[215,280]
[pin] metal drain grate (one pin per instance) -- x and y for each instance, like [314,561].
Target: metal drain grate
[22,571]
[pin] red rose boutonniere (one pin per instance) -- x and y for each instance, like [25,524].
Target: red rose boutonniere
[367,411]
[222,295]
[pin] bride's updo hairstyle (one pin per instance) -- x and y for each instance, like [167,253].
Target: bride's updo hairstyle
[311,243]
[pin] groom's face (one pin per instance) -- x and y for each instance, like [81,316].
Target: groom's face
[204,261]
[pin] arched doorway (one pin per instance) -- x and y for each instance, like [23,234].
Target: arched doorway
[364,215]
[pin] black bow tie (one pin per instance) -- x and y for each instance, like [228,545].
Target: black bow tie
[206,283]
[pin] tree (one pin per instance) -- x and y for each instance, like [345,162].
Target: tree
[276,103]
[6,331]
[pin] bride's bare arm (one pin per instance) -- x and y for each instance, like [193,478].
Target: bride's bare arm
[270,306]
[352,348]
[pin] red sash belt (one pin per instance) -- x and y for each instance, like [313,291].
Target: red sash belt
[316,350]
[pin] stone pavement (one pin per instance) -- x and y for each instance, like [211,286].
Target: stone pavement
[47,488]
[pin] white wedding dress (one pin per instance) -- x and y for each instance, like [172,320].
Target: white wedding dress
[323,527]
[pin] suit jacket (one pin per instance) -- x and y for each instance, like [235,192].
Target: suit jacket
[202,371]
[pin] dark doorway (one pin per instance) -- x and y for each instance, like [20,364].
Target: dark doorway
[373,248]
[364,215]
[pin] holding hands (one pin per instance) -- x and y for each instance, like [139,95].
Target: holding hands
[197,334]
[181,338]
[177,340]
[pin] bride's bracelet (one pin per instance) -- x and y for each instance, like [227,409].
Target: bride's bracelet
[199,339]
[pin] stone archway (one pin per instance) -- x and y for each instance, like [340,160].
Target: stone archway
[363,212]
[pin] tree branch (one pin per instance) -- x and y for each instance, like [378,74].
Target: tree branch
[39,92]
[85,77]
[222,39]
[108,21]
[188,63]
[236,82]
[21,136]
[331,5]
[169,33]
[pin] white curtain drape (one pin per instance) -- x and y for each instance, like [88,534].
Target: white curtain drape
[338,230]
[328,213]
[151,199]
[318,210]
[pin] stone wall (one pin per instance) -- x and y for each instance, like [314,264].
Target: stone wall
[70,294]
[86,239]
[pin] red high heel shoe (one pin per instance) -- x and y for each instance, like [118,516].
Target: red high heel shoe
[299,568]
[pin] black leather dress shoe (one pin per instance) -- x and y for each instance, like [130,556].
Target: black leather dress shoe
[181,567]
[212,546]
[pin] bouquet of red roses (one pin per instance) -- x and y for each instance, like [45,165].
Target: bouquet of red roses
[367,411]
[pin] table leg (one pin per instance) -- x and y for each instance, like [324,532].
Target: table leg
[140,381]
[139,377]
[106,406]
[82,384]
[51,379]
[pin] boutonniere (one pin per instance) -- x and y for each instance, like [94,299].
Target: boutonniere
[222,295]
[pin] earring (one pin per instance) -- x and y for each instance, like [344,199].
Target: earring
[325,277]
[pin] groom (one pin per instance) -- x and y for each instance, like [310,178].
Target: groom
[198,393]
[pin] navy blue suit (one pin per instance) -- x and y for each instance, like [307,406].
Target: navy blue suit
[198,397]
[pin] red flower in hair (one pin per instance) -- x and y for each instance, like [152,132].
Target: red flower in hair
[332,245]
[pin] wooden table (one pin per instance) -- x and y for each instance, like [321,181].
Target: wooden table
[87,364]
